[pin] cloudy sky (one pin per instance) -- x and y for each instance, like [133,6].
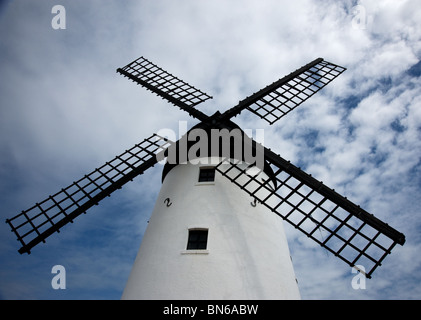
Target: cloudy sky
[65,111]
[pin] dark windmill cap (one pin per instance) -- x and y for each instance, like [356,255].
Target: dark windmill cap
[215,139]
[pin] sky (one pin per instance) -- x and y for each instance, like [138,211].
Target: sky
[65,111]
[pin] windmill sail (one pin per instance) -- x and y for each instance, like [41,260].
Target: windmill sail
[46,217]
[281,97]
[331,220]
[335,223]
[164,84]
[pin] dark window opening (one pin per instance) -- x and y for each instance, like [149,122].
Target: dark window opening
[198,240]
[207,174]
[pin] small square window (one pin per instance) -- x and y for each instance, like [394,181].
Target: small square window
[198,239]
[207,175]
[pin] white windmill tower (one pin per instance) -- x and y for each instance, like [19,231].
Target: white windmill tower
[215,231]
[207,238]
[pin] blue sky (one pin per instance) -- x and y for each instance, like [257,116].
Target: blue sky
[64,111]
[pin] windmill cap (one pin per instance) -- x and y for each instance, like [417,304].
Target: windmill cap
[212,138]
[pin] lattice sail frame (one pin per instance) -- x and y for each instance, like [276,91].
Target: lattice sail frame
[353,234]
[166,85]
[284,95]
[347,236]
[46,217]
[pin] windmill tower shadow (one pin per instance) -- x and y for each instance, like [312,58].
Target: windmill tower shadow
[215,231]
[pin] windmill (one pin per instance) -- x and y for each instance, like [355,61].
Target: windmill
[215,231]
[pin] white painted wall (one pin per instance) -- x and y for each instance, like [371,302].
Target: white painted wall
[247,256]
